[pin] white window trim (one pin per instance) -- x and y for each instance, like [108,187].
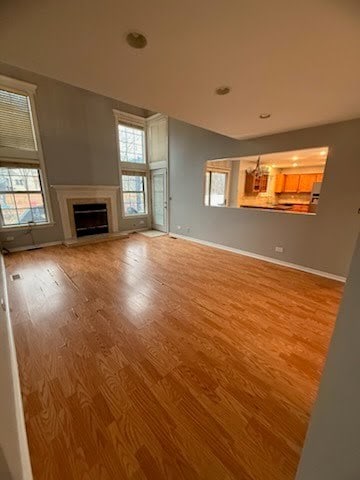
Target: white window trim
[29,89]
[130,120]
[124,215]
[143,168]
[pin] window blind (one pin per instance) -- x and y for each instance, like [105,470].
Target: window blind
[16,128]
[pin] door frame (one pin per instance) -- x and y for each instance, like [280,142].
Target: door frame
[164,172]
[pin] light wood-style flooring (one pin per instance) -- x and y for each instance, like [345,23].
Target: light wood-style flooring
[157,358]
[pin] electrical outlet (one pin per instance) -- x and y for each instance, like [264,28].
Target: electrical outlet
[279,249]
[9,239]
[142,222]
[178,227]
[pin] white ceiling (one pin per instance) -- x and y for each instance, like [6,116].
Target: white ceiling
[298,60]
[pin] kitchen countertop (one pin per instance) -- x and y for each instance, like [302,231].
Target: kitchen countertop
[270,207]
[293,208]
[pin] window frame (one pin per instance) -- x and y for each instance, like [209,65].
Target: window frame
[136,127]
[125,168]
[144,175]
[27,192]
[24,88]
[210,171]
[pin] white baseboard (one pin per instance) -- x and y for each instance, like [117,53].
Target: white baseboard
[34,247]
[261,257]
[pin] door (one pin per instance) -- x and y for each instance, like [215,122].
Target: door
[159,199]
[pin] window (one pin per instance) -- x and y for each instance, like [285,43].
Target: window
[215,188]
[16,127]
[22,197]
[132,144]
[134,193]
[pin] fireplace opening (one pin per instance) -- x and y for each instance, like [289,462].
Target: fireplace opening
[90,219]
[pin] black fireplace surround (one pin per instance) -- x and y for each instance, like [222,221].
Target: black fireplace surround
[90,219]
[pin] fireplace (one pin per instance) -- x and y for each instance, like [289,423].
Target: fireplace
[90,219]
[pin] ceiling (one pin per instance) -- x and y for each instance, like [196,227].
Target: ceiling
[298,60]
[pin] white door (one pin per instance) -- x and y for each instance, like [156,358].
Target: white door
[159,199]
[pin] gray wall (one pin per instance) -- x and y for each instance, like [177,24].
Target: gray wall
[332,445]
[79,143]
[323,242]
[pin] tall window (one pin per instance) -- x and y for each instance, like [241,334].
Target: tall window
[134,193]
[21,191]
[216,188]
[132,144]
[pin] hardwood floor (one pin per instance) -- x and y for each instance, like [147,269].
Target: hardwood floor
[163,359]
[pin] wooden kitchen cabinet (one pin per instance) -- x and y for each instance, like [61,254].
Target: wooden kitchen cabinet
[255,184]
[306,182]
[296,183]
[279,182]
[291,183]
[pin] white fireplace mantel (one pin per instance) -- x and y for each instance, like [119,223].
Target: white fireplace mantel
[66,192]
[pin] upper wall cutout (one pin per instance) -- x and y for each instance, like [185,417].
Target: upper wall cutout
[287,181]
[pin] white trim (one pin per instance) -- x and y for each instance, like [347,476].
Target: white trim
[159,164]
[17,85]
[30,89]
[90,188]
[146,195]
[156,116]
[65,192]
[24,470]
[35,246]
[143,168]
[134,167]
[261,257]
[129,118]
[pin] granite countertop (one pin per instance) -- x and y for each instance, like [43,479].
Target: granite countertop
[270,207]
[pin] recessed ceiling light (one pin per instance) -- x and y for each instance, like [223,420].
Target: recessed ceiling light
[264,116]
[222,90]
[295,164]
[136,40]
[273,165]
[295,157]
[323,153]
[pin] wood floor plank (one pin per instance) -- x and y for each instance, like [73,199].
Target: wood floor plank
[151,358]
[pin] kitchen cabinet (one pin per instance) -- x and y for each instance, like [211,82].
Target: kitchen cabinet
[254,184]
[291,183]
[279,183]
[306,182]
[296,183]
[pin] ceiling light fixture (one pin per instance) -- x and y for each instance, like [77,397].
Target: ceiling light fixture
[222,90]
[136,40]
[264,116]
[258,170]
[323,153]
[295,157]
[295,164]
